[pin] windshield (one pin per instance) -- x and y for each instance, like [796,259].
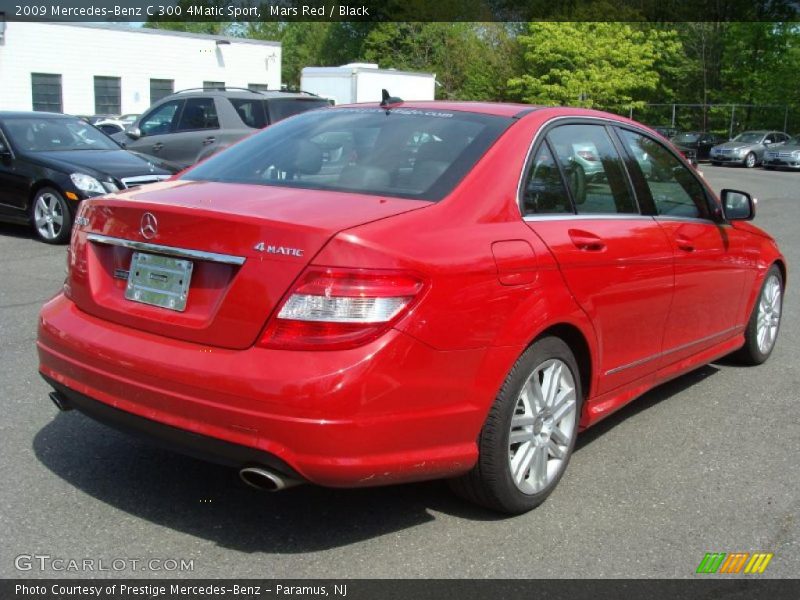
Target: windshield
[749,137]
[686,138]
[408,153]
[33,134]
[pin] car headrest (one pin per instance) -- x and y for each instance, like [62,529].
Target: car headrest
[301,156]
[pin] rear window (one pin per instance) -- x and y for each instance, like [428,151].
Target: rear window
[250,111]
[406,153]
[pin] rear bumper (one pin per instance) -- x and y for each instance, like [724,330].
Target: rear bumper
[392,411]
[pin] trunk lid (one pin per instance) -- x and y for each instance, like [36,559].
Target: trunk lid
[246,245]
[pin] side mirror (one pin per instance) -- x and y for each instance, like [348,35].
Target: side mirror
[133,132]
[767,142]
[738,206]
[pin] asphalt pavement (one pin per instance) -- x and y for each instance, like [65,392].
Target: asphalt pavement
[706,463]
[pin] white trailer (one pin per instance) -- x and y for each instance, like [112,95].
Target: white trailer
[363,82]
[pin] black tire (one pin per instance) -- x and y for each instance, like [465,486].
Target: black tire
[578,182]
[750,160]
[751,353]
[490,482]
[55,232]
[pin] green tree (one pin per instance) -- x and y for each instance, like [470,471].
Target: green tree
[590,64]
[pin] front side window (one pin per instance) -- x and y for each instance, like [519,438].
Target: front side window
[107,95]
[544,192]
[593,169]
[675,190]
[198,113]
[363,150]
[161,120]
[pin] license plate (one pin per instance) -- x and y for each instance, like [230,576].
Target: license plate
[159,280]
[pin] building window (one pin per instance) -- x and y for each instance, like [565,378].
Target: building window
[258,87]
[46,92]
[107,96]
[160,88]
[213,85]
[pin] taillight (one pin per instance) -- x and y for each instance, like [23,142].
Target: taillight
[332,308]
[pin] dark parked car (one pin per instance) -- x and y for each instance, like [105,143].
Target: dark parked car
[697,143]
[50,162]
[667,131]
[192,124]
[747,148]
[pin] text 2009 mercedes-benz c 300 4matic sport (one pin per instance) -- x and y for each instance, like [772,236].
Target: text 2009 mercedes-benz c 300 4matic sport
[375,294]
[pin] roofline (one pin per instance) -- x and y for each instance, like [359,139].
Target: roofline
[168,32]
[344,69]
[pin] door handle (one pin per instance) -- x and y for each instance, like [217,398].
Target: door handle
[684,244]
[588,242]
[209,140]
[157,146]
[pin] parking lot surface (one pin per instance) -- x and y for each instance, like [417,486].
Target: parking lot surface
[706,463]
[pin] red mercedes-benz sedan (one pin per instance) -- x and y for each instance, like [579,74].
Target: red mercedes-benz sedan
[375,294]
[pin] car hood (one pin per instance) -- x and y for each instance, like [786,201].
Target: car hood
[116,163]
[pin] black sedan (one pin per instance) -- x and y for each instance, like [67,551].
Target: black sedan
[50,162]
[698,143]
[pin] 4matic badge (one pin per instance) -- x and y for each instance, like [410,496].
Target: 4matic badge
[284,250]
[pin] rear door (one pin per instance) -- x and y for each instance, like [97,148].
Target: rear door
[711,260]
[616,262]
[197,130]
[15,182]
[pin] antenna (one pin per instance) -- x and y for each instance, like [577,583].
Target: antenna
[387,99]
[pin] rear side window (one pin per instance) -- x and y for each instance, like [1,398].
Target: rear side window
[544,191]
[675,190]
[283,108]
[250,111]
[593,169]
[198,113]
[403,152]
[161,120]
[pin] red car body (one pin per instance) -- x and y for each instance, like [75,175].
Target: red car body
[639,299]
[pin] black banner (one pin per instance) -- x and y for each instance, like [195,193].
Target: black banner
[700,588]
[398,10]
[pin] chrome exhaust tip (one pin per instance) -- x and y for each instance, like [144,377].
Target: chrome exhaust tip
[264,479]
[60,401]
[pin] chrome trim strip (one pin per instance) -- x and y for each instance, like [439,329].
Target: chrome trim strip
[589,217]
[227,259]
[642,361]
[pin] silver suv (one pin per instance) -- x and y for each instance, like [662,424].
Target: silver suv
[190,125]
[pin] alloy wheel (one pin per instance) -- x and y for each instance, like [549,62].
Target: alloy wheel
[769,314]
[48,215]
[542,427]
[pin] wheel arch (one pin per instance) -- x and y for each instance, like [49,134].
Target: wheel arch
[578,343]
[43,183]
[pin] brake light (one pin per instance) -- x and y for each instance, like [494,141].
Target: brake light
[332,308]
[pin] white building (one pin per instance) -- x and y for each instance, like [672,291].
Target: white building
[363,82]
[87,69]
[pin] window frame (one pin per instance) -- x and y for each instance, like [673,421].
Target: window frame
[541,137]
[60,91]
[646,199]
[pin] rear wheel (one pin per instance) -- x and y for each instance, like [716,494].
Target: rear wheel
[765,321]
[528,438]
[50,216]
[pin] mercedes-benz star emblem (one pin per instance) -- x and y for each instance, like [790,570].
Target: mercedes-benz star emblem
[149,227]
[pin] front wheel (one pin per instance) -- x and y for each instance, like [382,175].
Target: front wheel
[750,160]
[51,217]
[765,321]
[529,434]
